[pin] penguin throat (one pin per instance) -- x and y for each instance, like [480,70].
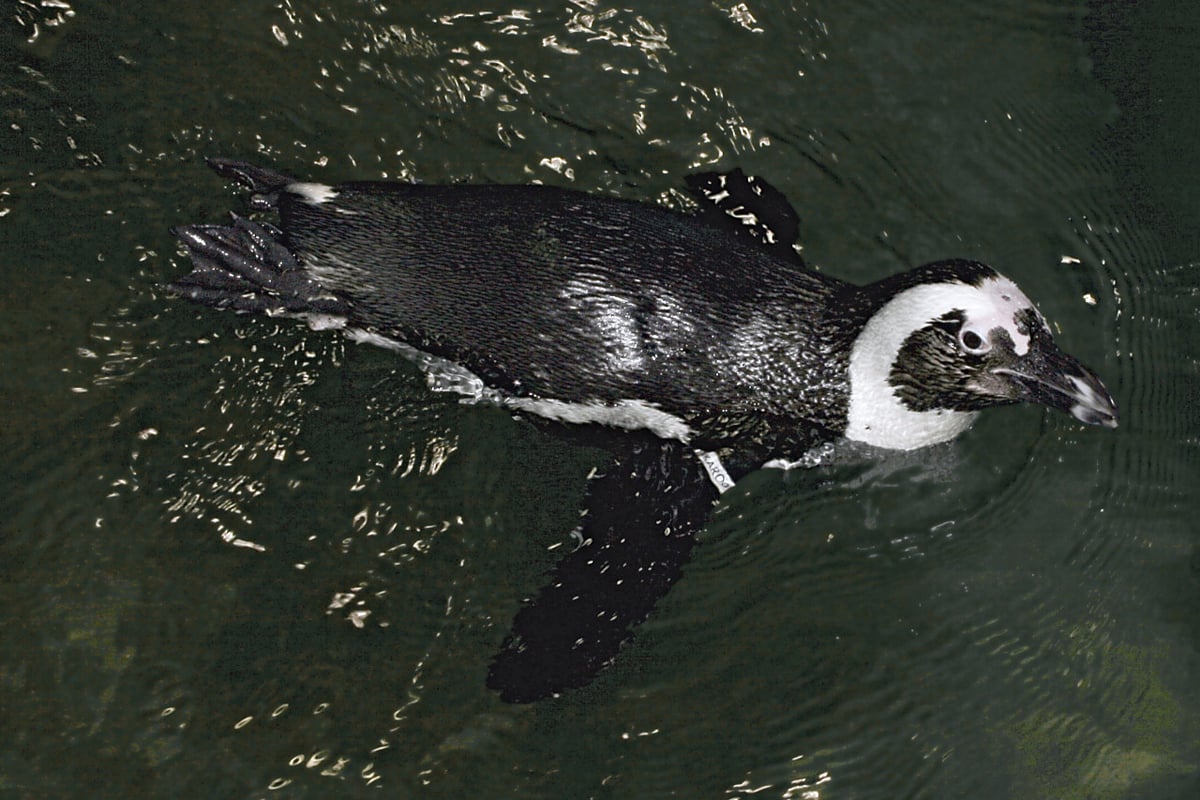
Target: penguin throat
[877,414]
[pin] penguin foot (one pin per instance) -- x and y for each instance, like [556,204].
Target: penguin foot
[245,266]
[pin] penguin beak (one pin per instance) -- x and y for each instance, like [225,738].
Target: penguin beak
[1048,376]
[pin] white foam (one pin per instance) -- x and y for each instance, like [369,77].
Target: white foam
[813,458]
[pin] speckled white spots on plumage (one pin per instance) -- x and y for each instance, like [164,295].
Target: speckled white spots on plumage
[995,304]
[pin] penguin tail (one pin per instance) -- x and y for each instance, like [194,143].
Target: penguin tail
[247,267]
[257,179]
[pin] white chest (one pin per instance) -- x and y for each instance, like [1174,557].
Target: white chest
[885,422]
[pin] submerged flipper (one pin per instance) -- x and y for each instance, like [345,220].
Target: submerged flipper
[749,208]
[641,521]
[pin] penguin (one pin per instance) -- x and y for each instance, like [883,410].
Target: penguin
[694,347]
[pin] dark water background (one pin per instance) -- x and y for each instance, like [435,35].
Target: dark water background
[242,559]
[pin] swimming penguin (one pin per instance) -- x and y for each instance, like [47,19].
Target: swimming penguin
[702,338]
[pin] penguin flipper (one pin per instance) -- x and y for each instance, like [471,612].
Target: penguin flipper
[749,208]
[638,531]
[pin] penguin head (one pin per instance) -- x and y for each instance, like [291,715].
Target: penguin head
[952,338]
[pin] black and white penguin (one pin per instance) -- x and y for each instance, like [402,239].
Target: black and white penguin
[703,337]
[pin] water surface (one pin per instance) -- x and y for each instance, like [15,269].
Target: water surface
[244,559]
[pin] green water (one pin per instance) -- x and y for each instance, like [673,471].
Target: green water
[242,559]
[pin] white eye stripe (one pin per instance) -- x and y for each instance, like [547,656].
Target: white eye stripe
[876,415]
[1000,304]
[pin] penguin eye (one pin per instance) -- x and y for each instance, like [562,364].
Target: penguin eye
[973,343]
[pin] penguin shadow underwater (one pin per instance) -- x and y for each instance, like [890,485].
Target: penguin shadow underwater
[694,348]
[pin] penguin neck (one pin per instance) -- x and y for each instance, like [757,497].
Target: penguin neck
[876,416]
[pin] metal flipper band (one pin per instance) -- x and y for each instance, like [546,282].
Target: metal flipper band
[716,470]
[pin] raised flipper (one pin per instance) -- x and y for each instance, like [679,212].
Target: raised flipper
[748,207]
[638,531]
